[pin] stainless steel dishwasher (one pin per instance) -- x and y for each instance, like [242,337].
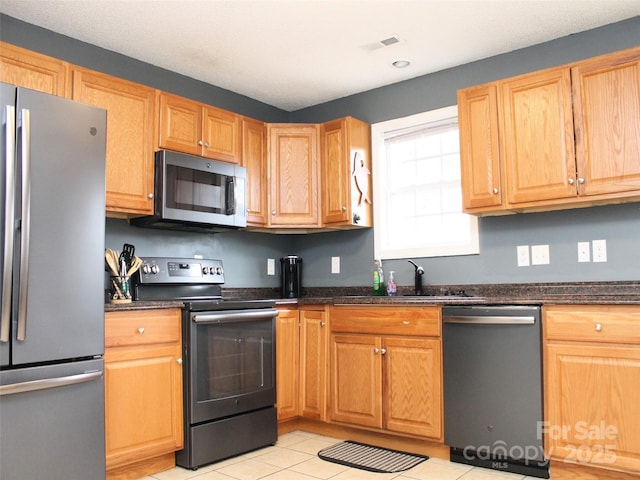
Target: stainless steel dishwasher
[493,387]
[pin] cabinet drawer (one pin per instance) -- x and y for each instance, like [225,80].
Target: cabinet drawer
[387,320]
[592,323]
[142,327]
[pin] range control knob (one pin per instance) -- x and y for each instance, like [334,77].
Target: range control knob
[212,270]
[205,270]
[155,269]
[146,269]
[219,270]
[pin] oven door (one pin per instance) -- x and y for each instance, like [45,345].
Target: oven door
[232,362]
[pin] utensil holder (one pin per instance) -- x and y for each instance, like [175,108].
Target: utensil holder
[120,289]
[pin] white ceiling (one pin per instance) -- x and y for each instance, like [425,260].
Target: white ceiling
[297,53]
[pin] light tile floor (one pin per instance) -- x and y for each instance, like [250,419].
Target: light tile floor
[294,457]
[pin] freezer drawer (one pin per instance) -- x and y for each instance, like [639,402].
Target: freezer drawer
[55,428]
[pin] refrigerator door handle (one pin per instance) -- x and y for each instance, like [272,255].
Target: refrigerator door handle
[24,132]
[46,383]
[10,195]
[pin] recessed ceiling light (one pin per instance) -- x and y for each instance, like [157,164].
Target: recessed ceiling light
[401,63]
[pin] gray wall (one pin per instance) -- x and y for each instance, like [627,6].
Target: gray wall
[245,253]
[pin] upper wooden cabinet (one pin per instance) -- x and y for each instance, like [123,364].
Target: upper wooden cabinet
[191,127]
[346,173]
[565,137]
[607,122]
[32,70]
[293,175]
[254,159]
[537,132]
[479,147]
[131,114]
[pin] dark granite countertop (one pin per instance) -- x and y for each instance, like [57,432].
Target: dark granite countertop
[581,293]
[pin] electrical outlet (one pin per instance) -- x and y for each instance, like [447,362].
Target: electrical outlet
[599,250]
[540,254]
[523,255]
[271,266]
[584,252]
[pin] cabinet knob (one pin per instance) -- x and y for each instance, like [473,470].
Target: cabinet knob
[200,142]
[322,324]
[141,330]
[273,212]
[179,361]
[150,196]
[248,210]
[571,181]
[376,350]
[383,351]
[344,208]
[580,180]
[206,144]
[495,191]
[598,327]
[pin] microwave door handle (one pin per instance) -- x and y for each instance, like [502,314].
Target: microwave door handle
[230,207]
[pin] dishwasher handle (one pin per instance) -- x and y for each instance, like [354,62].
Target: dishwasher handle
[490,319]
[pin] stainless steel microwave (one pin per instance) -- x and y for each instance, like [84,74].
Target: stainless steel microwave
[197,194]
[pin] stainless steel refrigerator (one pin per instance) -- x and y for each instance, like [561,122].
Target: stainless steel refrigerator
[52,324]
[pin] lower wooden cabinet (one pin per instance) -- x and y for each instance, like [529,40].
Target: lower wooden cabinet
[592,385]
[287,363]
[386,368]
[314,344]
[143,391]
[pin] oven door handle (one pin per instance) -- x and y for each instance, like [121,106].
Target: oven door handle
[230,316]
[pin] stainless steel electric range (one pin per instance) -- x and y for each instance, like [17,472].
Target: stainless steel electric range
[228,359]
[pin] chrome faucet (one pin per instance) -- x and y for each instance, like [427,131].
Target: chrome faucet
[418,277]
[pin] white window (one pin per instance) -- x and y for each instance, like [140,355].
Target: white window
[417,193]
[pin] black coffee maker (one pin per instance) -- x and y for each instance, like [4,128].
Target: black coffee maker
[291,281]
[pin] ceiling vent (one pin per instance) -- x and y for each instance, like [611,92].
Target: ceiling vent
[387,42]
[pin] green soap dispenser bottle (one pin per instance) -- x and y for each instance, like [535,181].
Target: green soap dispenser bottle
[378,278]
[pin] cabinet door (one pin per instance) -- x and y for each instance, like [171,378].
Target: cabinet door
[221,135]
[607,116]
[314,337]
[32,70]
[346,172]
[336,201]
[254,159]
[143,385]
[538,144]
[356,379]
[143,407]
[479,147]
[413,386]
[287,364]
[293,170]
[591,404]
[180,124]
[130,138]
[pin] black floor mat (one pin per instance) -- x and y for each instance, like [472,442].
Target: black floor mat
[367,457]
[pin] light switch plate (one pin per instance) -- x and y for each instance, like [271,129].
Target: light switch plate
[335,264]
[584,252]
[271,266]
[523,255]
